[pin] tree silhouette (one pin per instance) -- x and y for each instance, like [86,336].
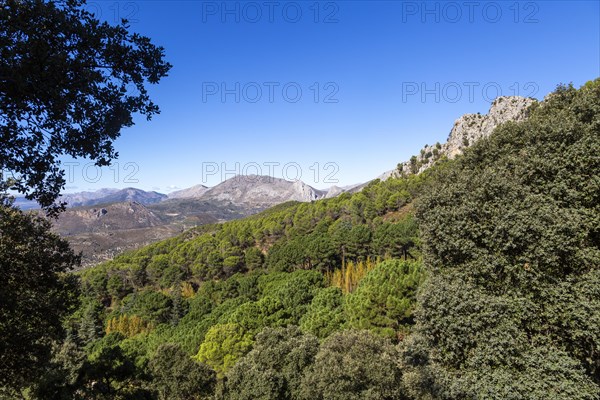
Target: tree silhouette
[68,85]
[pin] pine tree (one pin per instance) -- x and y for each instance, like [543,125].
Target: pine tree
[90,327]
[178,308]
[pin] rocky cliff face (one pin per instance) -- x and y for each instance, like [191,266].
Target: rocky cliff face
[467,130]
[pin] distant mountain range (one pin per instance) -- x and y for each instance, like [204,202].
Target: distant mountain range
[246,190]
[101,196]
[129,194]
[72,199]
[261,191]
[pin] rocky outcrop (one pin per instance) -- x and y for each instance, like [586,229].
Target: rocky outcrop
[334,191]
[466,131]
[471,127]
[304,192]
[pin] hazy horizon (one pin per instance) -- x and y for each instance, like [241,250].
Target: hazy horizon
[338,90]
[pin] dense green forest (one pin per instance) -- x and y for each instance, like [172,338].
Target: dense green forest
[476,279]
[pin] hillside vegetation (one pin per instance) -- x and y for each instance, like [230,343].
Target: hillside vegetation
[478,278]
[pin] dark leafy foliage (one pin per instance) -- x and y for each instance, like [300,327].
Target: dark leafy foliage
[68,85]
[354,365]
[274,368]
[35,294]
[177,377]
[512,245]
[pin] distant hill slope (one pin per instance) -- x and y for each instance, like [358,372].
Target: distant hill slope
[130,195]
[191,192]
[78,199]
[102,231]
[130,218]
[86,198]
[101,196]
[116,216]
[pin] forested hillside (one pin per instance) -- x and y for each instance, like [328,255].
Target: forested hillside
[210,292]
[476,279]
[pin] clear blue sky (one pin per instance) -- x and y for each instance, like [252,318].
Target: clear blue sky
[390,77]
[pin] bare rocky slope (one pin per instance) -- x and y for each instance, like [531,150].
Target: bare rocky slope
[126,215]
[100,232]
[101,196]
[129,195]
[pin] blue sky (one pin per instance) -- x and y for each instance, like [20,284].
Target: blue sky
[331,92]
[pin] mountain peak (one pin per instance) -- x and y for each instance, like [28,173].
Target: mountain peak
[261,191]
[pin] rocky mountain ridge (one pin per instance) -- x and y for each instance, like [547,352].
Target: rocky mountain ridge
[244,190]
[100,196]
[466,131]
[129,195]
